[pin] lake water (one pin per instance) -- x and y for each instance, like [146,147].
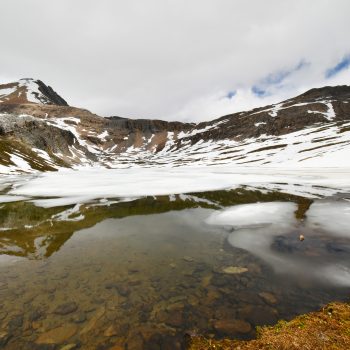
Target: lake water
[144,273]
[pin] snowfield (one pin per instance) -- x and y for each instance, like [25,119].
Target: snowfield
[78,186]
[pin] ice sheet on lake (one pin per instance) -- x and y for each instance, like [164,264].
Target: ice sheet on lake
[254,214]
[78,186]
[331,217]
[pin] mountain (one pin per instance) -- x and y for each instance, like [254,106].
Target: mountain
[30,91]
[39,131]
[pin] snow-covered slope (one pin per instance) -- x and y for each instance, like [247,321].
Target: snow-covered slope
[312,129]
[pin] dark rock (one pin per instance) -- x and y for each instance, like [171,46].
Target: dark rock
[66,308]
[4,338]
[260,316]
[111,285]
[123,290]
[174,319]
[15,323]
[35,315]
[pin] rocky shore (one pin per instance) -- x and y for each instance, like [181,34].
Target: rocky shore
[328,328]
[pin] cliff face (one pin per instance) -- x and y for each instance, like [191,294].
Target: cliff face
[308,126]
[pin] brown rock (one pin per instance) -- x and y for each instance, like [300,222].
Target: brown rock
[110,331]
[206,280]
[269,298]
[135,341]
[69,347]
[92,322]
[36,324]
[245,311]
[117,347]
[212,296]
[231,326]
[224,312]
[57,335]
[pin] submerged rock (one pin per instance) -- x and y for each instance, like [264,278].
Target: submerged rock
[57,335]
[174,318]
[234,270]
[93,321]
[69,347]
[15,323]
[66,308]
[35,315]
[263,316]
[188,259]
[4,338]
[269,298]
[135,341]
[110,331]
[231,326]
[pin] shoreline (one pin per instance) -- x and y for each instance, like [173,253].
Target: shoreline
[328,328]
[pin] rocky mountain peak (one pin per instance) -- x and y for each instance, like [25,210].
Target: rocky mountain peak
[29,90]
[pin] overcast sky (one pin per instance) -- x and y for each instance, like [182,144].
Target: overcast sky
[188,60]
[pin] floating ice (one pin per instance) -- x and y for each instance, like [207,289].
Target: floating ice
[254,214]
[333,217]
[270,231]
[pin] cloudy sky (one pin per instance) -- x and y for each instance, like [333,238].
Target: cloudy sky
[176,59]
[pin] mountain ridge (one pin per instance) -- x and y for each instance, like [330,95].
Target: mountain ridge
[66,136]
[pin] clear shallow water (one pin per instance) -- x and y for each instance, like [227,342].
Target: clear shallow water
[141,274]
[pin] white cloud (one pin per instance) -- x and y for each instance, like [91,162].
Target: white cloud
[172,58]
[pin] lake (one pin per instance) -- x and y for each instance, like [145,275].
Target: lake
[147,272]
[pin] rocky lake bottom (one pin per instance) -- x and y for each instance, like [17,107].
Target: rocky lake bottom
[145,273]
